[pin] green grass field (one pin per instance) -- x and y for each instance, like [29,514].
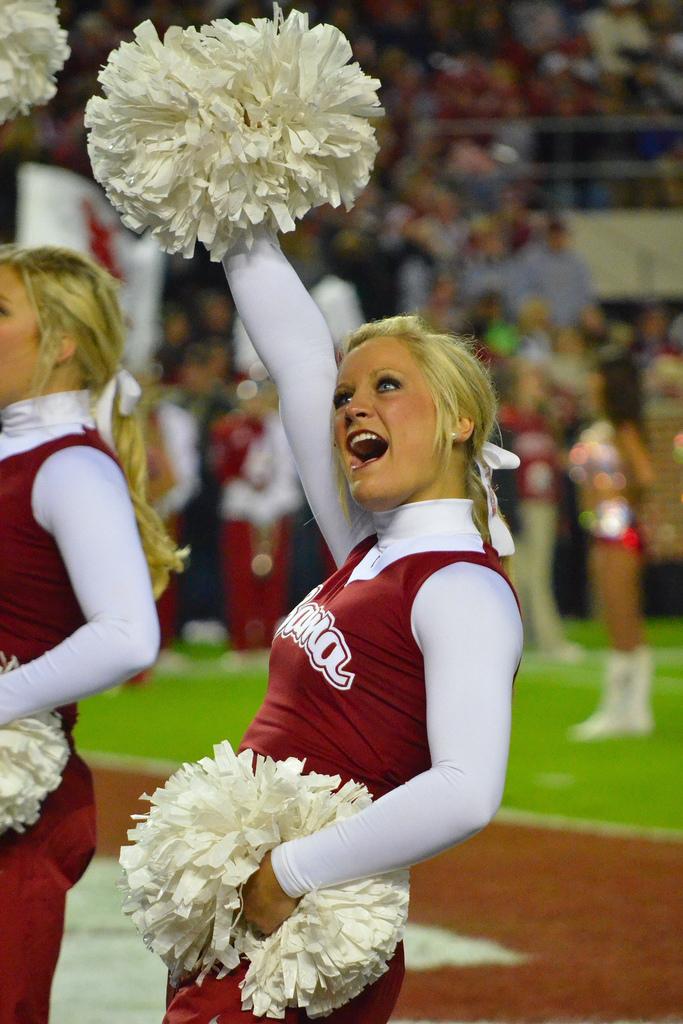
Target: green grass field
[179,716]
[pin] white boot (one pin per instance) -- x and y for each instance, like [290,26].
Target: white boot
[610,717]
[638,719]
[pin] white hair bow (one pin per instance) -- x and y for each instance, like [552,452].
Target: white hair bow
[129,392]
[495,457]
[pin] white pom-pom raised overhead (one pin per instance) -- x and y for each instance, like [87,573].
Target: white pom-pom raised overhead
[210,133]
[33,752]
[207,831]
[33,49]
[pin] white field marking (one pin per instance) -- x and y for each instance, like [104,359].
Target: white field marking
[132,986]
[591,679]
[554,780]
[131,982]
[582,674]
[661,655]
[428,947]
[562,823]
[505,816]
[231,663]
[241,661]
[102,943]
[237,661]
[129,763]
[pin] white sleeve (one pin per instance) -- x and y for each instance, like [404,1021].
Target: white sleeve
[80,497]
[467,625]
[290,335]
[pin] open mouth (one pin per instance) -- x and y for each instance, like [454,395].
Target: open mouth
[365,447]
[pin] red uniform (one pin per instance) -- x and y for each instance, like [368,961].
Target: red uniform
[538,475]
[346,691]
[38,610]
[598,465]
[256,532]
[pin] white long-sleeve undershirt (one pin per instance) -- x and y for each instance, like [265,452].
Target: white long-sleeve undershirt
[466,623]
[81,498]
[465,619]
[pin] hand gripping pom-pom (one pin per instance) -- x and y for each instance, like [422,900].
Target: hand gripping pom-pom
[33,49]
[33,752]
[337,943]
[206,832]
[213,132]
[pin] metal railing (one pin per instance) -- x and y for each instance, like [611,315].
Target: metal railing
[555,142]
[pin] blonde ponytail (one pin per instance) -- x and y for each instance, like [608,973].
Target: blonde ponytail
[162,554]
[474,489]
[72,295]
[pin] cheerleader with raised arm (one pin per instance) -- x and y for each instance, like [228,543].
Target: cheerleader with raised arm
[397,671]
[81,557]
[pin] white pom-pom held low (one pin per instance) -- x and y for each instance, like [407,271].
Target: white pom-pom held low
[206,833]
[210,133]
[33,753]
[33,49]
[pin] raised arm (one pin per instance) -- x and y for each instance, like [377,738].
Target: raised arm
[293,341]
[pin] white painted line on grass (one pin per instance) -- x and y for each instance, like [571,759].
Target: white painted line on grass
[229,664]
[554,780]
[583,677]
[560,822]
[506,815]
[584,674]
[661,655]
[129,763]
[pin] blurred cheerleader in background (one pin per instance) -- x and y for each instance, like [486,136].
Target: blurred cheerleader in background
[612,467]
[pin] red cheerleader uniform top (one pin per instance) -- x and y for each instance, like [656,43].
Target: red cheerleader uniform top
[346,684]
[38,608]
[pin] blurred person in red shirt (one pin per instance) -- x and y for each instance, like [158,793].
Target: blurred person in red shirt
[524,416]
[259,495]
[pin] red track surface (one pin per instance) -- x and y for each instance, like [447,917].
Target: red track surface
[601,919]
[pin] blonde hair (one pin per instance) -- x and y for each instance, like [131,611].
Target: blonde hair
[460,385]
[72,295]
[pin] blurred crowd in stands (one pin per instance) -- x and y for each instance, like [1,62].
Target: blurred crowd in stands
[443,62]
[459,222]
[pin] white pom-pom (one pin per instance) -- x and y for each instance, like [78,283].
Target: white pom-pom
[33,752]
[206,833]
[213,132]
[338,942]
[33,49]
